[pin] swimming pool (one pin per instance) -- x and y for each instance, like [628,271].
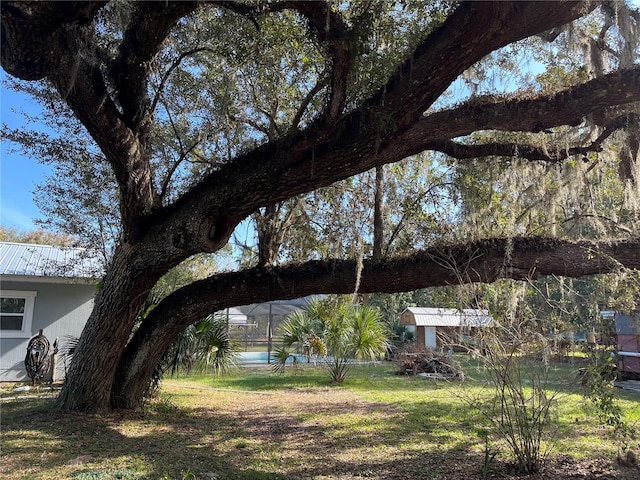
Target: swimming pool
[260,358]
[252,357]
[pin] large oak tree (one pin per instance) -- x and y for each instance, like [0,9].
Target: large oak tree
[112,64]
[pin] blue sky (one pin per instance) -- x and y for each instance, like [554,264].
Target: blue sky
[18,174]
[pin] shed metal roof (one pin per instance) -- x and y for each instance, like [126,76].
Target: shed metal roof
[42,261]
[450,317]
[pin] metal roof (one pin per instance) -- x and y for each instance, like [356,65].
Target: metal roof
[42,261]
[274,308]
[450,317]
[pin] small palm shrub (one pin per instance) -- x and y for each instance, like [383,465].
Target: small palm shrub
[281,356]
[338,332]
[205,346]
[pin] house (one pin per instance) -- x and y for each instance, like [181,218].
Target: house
[433,327]
[43,288]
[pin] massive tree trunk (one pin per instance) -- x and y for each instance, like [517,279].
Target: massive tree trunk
[55,40]
[90,381]
[378,215]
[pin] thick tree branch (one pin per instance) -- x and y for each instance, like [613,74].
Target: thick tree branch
[463,151]
[82,86]
[331,30]
[482,261]
[150,24]
[567,107]
[472,31]
[32,34]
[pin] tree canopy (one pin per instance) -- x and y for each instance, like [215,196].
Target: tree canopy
[378,146]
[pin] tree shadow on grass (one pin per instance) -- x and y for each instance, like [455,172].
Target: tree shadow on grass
[338,439]
[325,433]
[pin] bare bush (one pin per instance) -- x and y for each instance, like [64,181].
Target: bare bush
[518,400]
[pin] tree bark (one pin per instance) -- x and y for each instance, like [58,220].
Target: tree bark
[268,231]
[378,218]
[91,376]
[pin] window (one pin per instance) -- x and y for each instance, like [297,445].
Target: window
[16,313]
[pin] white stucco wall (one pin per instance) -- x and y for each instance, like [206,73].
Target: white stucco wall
[60,310]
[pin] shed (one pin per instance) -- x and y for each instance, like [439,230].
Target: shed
[628,340]
[432,325]
[46,288]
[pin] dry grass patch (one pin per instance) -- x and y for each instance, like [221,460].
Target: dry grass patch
[256,426]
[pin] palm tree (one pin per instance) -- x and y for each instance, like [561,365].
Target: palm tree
[370,333]
[339,331]
[204,345]
[354,333]
[303,330]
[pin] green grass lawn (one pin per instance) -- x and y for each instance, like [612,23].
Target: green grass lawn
[256,425]
[442,405]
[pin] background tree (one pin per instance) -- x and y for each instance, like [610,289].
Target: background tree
[39,236]
[206,112]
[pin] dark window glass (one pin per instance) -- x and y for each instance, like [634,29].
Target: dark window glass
[12,305]
[11,322]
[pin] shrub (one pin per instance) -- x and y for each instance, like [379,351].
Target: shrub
[519,406]
[423,360]
[598,382]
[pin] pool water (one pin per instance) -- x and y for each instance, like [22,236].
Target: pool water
[253,358]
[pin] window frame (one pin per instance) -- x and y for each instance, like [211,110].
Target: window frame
[27,317]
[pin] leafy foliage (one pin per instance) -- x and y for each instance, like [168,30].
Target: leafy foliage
[204,346]
[41,237]
[600,392]
[337,331]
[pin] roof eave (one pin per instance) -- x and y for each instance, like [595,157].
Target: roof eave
[49,279]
